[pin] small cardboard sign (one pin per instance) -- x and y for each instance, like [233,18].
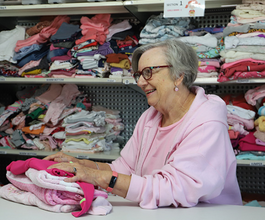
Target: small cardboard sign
[184,8]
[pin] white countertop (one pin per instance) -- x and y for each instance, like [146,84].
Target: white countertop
[126,210]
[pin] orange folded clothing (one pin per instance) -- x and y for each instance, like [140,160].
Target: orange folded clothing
[35,132]
[116,57]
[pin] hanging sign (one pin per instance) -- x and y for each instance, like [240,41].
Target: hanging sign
[183,8]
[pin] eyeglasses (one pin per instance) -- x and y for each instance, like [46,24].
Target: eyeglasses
[147,72]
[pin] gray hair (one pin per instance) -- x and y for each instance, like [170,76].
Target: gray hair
[182,57]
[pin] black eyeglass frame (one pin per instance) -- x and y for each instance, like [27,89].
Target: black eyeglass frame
[138,74]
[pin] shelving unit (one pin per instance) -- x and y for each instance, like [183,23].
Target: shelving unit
[106,156]
[62,9]
[125,89]
[112,7]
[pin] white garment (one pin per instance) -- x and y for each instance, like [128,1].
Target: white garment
[240,112]
[8,40]
[208,40]
[116,28]
[233,41]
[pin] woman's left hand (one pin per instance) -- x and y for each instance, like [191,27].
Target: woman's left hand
[81,173]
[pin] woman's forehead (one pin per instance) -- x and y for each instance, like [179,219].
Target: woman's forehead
[153,54]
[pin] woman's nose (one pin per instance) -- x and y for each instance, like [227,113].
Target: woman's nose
[141,81]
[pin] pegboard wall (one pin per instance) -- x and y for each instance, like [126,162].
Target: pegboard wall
[220,89]
[130,103]
[251,179]
[214,18]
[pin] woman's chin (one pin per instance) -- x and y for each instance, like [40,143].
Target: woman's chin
[152,103]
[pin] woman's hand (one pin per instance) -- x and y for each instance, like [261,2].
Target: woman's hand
[61,157]
[81,173]
[96,177]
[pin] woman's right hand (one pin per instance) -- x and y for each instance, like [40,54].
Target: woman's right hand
[61,157]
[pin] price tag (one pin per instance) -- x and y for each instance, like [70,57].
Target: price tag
[2,79]
[184,8]
[111,80]
[27,154]
[256,164]
[127,82]
[54,80]
[243,80]
[3,152]
[2,7]
[82,157]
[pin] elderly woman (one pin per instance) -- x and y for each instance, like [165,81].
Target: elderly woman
[180,152]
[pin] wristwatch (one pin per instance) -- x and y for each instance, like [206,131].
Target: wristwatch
[112,181]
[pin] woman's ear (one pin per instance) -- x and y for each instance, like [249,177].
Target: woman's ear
[179,80]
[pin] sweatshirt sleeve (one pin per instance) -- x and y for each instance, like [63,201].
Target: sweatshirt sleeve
[195,171]
[125,164]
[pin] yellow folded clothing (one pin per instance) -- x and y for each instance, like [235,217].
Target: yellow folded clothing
[124,64]
[260,122]
[33,72]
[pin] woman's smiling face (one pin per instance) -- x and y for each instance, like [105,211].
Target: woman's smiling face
[159,88]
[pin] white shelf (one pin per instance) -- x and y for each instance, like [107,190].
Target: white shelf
[61,80]
[79,8]
[106,155]
[213,81]
[158,5]
[112,7]
[251,162]
[125,80]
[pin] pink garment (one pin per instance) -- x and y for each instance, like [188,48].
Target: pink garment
[210,62]
[4,142]
[62,72]
[28,65]
[69,92]
[63,76]
[119,27]
[248,143]
[252,95]
[240,128]
[207,69]
[191,161]
[12,193]
[234,119]
[226,65]
[47,195]
[45,33]
[20,167]
[18,119]
[34,76]
[68,56]
[99,206]
[48,131]
[260,142]
[51,94]
[52,142]
[67,112]
[240,75]
[95,28]
[43,179]
[52,47]
[233,134]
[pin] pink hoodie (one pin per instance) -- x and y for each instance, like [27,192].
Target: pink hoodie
[185,163]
